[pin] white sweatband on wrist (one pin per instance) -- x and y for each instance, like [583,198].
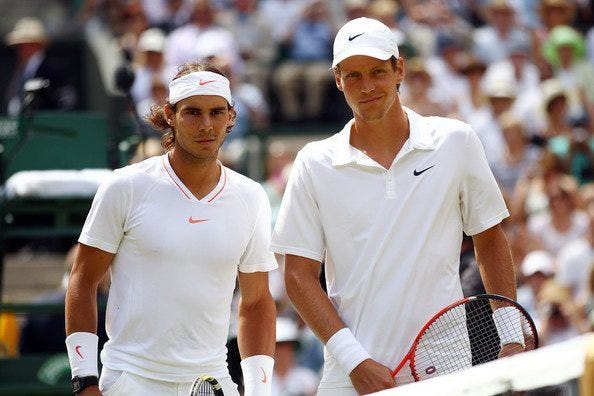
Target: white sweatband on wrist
[82,353]
[509,326]
[257,375]
[347,351]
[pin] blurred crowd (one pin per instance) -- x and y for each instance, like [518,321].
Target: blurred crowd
[520,72]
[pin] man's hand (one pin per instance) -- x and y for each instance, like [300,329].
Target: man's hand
[370,376]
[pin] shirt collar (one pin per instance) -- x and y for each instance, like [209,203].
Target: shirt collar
[420,138]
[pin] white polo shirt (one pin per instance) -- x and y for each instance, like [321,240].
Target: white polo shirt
[175,267]
[390,239]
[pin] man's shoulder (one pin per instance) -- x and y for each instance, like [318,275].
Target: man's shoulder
[243,184]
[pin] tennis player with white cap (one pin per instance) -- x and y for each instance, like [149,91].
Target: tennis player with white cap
[384,204]
[176,232]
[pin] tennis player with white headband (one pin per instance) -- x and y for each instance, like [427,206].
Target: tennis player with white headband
[176,232]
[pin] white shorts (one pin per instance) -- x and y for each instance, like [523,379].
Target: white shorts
[123,383]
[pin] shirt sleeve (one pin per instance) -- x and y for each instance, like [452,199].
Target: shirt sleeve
[482,203]
[257,256]
[298,229]
[105,222]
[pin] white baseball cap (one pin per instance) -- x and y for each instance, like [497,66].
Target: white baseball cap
[538,261]
[152,39]
[286,330]
[364,36]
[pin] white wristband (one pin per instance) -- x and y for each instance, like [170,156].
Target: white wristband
[257,375]
[82,353]
[347,351]
[509,327]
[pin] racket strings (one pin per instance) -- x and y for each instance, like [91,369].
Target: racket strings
[463,336]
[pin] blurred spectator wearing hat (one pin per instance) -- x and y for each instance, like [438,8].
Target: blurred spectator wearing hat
[552,13]
[417,91]
[472,99]
[149,65]
[289,378]
[519,156]
[519,67]
[444,67]
[575,262]
[565,50]
[536,268]
[563,219]
[560,318]
[492,41]
[51,77]
[501,94]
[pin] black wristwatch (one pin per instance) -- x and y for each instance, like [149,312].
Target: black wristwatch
[80,383]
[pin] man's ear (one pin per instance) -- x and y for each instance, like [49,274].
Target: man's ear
[169,113]
[337,79]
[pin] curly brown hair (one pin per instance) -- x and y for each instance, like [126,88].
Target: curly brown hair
[157,117]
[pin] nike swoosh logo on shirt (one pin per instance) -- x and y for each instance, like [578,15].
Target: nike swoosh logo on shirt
[191,220]
[417,173]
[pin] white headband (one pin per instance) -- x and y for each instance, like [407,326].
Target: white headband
[199,83]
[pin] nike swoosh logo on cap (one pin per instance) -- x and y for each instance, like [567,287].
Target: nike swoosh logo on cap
[202,82]
[417,173]
[351,38]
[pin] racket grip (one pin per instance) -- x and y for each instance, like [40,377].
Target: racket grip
[509,325]
[347,351]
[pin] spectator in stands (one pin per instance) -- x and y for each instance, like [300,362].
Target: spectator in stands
[149,65]
[44,333]
[167,15]
[132,23]
[564,220]
[492,42]
[302,79]
[444,67]
[256,44]
[501,94]
[418,91]
[346,204]
[51,77]
[290,379]
[536,269]
[471,100]
[190,41]
[518,157]
[177,232]
[565,50]
[575,262]
[551,13]
[559,317]
[282,15]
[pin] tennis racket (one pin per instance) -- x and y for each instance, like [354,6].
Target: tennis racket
[465,334]
[206,385]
